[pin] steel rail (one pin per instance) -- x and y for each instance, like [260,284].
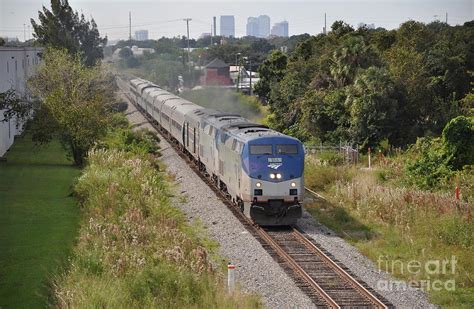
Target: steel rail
[281,252]
[314,193]
[339,269]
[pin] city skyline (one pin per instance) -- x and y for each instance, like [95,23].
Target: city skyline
[165,18]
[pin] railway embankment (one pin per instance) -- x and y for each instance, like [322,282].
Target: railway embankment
[135,247]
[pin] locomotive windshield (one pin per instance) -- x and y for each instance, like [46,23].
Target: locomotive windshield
[286,149]
[261,149]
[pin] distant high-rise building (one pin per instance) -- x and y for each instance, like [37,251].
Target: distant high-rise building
[252,26]
[141,35]
[227,26]
[258,26]
[263,26]
[280,29]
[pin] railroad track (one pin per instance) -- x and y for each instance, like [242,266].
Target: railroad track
[333,283]
[315,272]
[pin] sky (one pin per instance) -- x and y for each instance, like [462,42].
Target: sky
[165,17]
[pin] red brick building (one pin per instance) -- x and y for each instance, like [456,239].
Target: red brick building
[217,73]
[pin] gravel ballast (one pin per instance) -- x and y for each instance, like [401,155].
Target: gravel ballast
[256,271]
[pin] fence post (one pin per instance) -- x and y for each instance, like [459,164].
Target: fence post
[357,149]
[230,277]
[369,159]
[458,189]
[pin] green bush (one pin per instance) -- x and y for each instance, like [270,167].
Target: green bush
[435,160]
[142,141]
[428,169]
[331,158]
[458,141]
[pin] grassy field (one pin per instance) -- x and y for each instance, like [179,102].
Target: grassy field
[397,226]
[38,221]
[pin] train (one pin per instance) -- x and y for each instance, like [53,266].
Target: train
[259,169]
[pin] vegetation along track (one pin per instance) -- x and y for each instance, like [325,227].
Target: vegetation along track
[315,272]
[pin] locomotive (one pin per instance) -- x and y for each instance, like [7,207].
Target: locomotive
[260,170]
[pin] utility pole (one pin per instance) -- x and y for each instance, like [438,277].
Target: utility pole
[211,34]
[187,20]
[325,29]
[24,32]
[237,63]
[29,33]
[446,18]
[250,75]
[130,26]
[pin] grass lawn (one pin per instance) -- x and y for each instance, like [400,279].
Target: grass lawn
[38,221]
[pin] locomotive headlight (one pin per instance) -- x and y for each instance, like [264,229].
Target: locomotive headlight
[278,176]
[272,176]
[258,184]
[293,184]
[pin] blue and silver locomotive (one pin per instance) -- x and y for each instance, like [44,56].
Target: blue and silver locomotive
[261,170]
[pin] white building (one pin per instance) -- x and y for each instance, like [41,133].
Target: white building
[228,26]
[141,35]
[258,26]
[16,66]
[252,26]
[263,26]
[280,29]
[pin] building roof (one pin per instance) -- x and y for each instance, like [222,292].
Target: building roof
[217,64]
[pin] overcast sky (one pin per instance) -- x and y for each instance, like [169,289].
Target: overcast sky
[164,18]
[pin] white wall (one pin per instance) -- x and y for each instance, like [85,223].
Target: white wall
[16,66]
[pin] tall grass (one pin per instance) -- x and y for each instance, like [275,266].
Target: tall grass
[395,205]
[399,224]
[135,249]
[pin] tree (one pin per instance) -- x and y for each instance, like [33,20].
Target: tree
[325,115]
[2,41]
[125,53]
[467,103]
[76,101]
[348,58]
[373,105]
[63,28]
[272,70]
[340,28]
[408,69]
[261,46]
[12,106]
